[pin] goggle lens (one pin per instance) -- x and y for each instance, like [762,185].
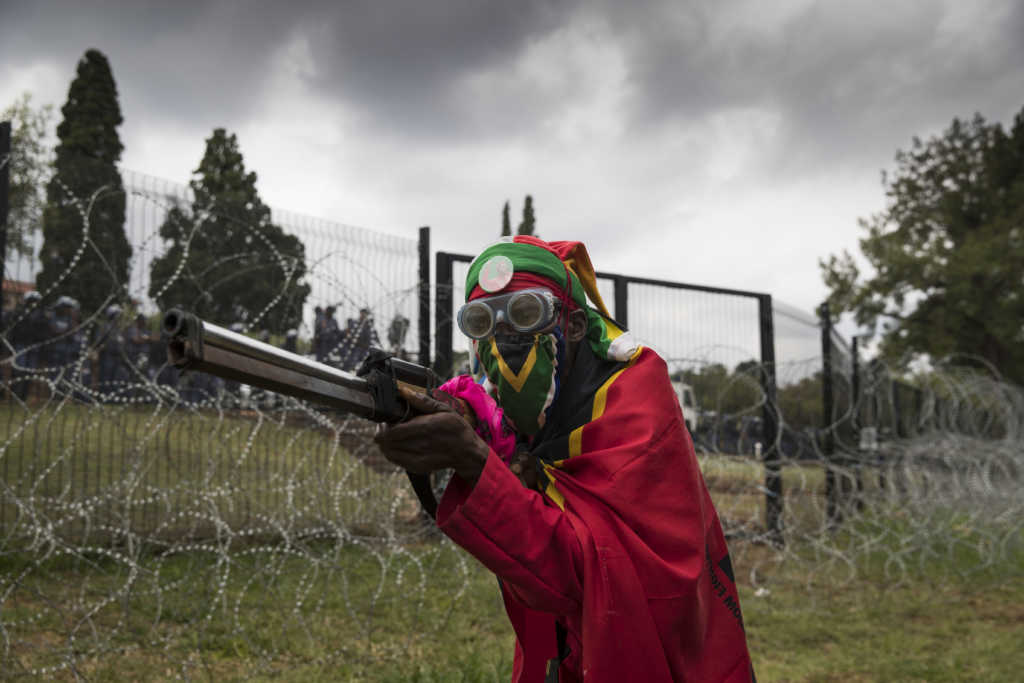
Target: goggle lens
[477,320]
[525,311]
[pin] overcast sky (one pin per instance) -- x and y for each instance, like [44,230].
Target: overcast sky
[724,143]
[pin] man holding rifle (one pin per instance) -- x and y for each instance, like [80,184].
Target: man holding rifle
[591,510]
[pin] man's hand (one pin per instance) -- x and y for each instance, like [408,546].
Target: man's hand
[522,467]
[436,439]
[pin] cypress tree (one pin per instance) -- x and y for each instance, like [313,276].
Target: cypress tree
[528,224]
[85,250]
[226,260]
[506,225]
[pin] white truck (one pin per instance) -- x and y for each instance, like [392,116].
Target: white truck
[688,402]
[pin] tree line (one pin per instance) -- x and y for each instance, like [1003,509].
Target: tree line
[724,394]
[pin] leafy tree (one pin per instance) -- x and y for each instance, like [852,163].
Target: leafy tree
[800,404]
[85,250]
[750,367]
[727,394]
[29,169]
[947,252]
[226,260]
[528,224]
[506,226]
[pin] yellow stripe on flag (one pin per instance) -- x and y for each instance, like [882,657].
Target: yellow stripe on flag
[551,491]
[612,330]
[576,442]
[601,397]
[516,381]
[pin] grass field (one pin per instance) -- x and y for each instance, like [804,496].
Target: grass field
[866,630]
[139,466]
[227,603]
[356,627]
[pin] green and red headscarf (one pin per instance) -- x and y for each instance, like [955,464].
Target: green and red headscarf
[564,268]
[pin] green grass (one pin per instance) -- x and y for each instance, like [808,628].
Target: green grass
[321,611]
[359,623]
[736,486]
[869,630]
[138,467]
[241,606]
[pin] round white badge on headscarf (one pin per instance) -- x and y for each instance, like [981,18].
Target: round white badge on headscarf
[496,273]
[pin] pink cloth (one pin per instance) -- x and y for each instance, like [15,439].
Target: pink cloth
[491,426]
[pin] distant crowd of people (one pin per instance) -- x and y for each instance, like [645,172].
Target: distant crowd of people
[118,357]
[346,347]
[53,348]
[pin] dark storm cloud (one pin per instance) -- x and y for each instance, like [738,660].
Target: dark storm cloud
[179,61]
[847,80]
[396,63]
[850,80]
[403,64]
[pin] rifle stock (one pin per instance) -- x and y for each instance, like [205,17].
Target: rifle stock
[373,393]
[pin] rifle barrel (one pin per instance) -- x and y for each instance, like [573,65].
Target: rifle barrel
[200,345]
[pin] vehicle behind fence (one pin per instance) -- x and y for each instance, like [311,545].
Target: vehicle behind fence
[143,509]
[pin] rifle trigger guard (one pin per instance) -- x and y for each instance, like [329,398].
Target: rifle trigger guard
[379,371]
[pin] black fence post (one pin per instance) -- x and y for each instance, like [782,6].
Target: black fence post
[5,188]
[828,446]
[915,424]
[5,170]
[622,301]
[898,432]
[443,314]
[772,457]
[424,295]
[873,418]
[855,417]
[855,383]
[897,411]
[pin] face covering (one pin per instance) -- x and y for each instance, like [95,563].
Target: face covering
[524,370]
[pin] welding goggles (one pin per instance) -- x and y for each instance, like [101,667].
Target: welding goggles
[525,311]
